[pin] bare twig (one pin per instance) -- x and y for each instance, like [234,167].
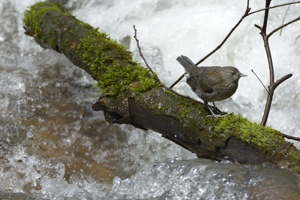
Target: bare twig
[290,137]
[228,35]
[265,23]
[272,7]
[285,14]
[221,44]
[179,79]
[273,85]
[282,26]
[147,65]
[260,81]
[279,81]
[270,61]
[142,56]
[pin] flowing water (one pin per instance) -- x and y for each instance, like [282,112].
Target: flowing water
[54,146]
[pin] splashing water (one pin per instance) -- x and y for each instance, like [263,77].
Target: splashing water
[54,146]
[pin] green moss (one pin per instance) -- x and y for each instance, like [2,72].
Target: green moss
[251,132]
[111,64]
[267,139]
[113,67]
[33,16]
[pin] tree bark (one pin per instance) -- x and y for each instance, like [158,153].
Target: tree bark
[130,94]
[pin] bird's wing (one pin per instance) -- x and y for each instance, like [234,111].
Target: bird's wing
[197,82]
[212,76]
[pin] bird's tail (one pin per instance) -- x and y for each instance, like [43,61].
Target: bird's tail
[186,63]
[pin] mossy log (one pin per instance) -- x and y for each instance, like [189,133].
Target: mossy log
[130,94]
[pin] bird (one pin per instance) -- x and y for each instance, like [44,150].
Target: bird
[212,83]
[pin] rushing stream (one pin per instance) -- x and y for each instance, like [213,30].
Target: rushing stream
[54,146]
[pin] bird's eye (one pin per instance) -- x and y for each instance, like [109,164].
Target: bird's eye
[233,73]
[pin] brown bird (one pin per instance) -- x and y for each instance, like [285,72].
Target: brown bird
[211,83]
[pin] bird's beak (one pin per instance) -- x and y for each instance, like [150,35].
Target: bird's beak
[243,75]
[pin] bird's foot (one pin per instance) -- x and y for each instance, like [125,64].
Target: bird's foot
[216,116]
[213,115]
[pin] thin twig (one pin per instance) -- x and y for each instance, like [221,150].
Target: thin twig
[272,7]
[279,81]
[179,79]
[147,65]
[284,25]
[228,35]
[257,26]
[142,56]
[284,17]
[270,62]
[221,44]
[271,71]
[265,23]
[290,137]
[273,85]
[260,81]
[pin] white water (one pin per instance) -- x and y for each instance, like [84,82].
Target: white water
[45,103]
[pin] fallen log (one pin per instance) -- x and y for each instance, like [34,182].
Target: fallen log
[131,94]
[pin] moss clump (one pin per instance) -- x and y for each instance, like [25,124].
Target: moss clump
[107,61]
[251,132]
[33,17]
[113,67]
[267,139]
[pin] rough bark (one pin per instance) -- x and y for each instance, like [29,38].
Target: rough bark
[131,95]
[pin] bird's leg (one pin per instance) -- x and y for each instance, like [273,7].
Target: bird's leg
[215,107]
[210,110]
